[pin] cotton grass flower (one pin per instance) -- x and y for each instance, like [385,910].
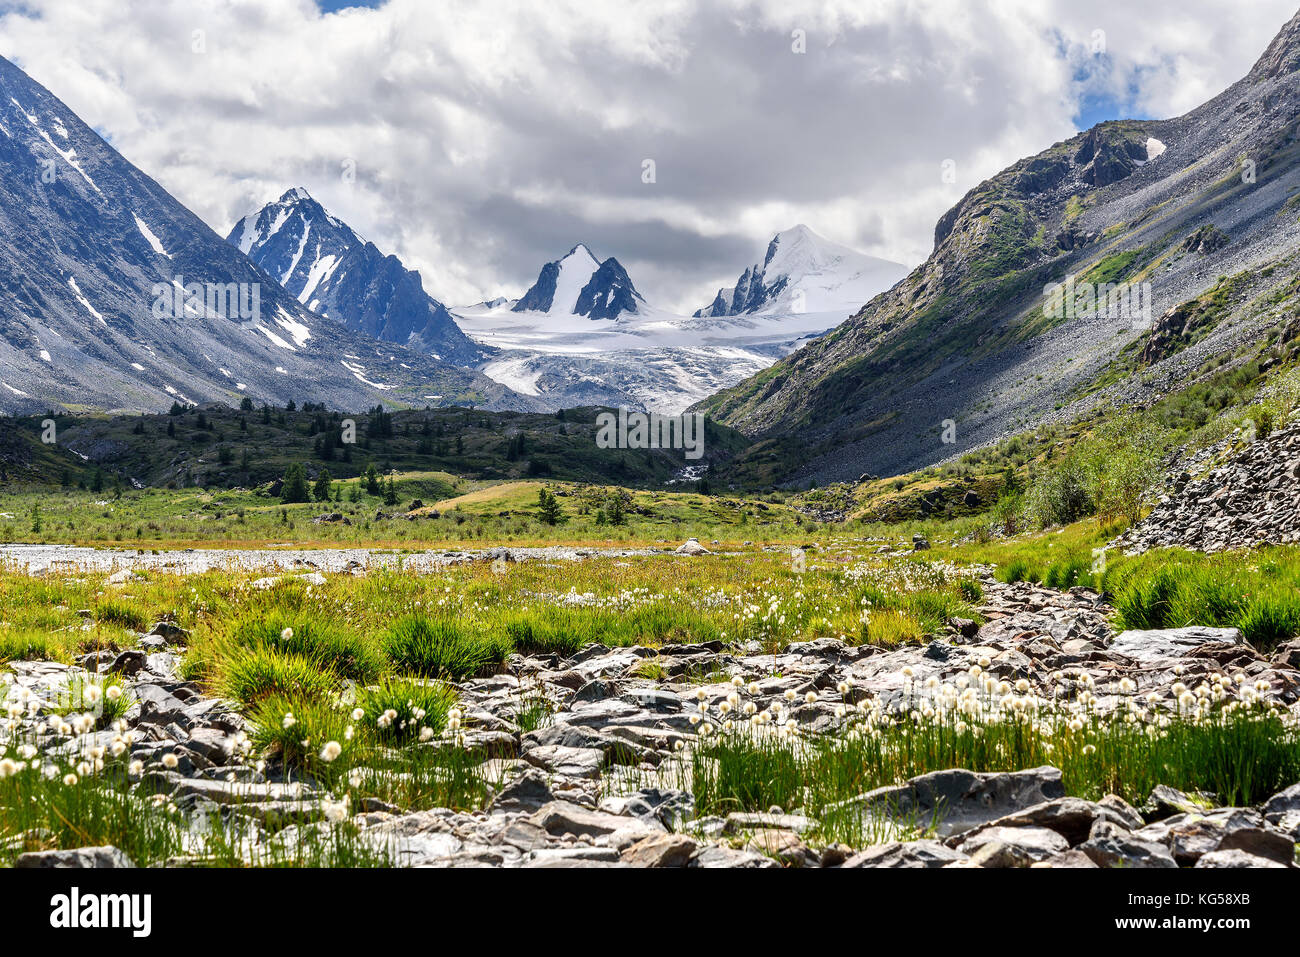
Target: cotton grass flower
[331,751]
[170,761]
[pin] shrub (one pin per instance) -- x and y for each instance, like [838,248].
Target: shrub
[296,729]
[440,648]
[117,611]
[1062,495]
[889,627]
[249,675]
[418,705]
[347,653]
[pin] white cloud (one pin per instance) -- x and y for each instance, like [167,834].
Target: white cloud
[489,137]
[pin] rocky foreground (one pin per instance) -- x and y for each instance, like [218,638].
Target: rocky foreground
[566,800]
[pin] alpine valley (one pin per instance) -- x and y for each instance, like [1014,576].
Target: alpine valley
[301,566]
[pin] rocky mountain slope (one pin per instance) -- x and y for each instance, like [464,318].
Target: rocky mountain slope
[970,338]
[1249,499]
[337,274]
[115,296]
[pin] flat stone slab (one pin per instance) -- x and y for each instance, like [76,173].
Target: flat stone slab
[1166,644]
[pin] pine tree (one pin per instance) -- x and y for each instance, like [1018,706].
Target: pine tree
[549,507]
[295,485]
[390,493]
[324,486]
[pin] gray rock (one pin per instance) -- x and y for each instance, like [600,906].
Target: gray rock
[106,856]
[1111,846]
[785,846]
[1070,817]
[1071,858]
[1161,645]
[567,762]
[749,821]
[925,853]
[215,745]
[720,855]
[1282,802]
[1012,846]
[1235,858]
[1121,812]
[129,663]
[1165,801]
[565,817]
[668,806]
[529,791]
[170,632]
[576,736]
[1260,843]
[660,850]
[1188,836]
[958,800]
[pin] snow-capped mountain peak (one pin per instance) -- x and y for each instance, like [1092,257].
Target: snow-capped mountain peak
[805,272]
[580,284]
[335,273]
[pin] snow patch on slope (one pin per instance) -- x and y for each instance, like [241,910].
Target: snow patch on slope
[149,236]
[84,301]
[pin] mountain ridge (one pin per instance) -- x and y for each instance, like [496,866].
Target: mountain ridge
[965,337]
[331,270]
[114,296]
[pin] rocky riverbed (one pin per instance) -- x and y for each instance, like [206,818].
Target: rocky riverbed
[600,783]
[60,559]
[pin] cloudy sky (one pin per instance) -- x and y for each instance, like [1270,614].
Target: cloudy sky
[489,136]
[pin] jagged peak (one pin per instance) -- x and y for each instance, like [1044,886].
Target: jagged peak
[295,195]
[1282,56]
